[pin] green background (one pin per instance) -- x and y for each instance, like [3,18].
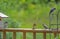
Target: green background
[24,13]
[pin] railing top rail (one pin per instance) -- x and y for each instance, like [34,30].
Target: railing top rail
[29,30]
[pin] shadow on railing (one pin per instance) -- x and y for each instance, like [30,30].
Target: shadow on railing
[25,30]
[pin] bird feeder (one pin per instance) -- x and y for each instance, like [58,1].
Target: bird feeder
[2,24]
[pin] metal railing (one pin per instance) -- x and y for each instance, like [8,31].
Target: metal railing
[25,30]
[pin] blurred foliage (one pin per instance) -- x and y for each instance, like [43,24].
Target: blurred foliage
[24,13]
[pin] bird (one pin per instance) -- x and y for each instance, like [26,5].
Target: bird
[45,26]
[52,10]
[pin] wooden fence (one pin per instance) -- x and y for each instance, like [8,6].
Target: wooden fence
[25,30]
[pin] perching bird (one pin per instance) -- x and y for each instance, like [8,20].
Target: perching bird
[52,10]
[45,26]
[5,24]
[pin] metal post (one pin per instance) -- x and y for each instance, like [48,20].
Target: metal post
[49,24]
[50,13]
[57,23]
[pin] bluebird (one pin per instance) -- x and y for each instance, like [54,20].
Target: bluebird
[52,10]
